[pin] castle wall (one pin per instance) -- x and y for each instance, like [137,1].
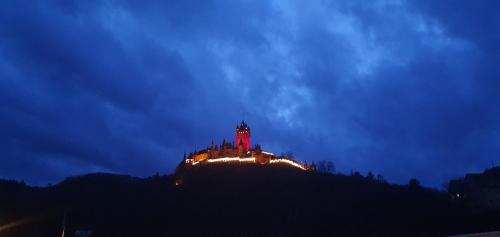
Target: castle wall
[261,158]
[200,157]
[229,153]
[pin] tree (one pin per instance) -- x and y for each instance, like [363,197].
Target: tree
[413,183]
[356,174]
[370,176]
[381,179]
[324,166]
[330,167]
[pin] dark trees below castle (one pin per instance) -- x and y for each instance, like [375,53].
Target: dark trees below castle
[245,200]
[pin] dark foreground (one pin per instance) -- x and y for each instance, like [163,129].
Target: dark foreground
[245,200]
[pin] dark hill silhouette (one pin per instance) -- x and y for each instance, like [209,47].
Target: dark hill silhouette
[236,200]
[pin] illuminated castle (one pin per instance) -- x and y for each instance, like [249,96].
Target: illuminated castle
[243,136]
[238,152]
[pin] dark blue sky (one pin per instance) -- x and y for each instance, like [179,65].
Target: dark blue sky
[402,88]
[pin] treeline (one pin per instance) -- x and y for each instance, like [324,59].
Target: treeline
[243,200]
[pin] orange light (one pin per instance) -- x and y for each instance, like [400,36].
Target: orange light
[232,159]
[247,160]
[15,224]
[286,161]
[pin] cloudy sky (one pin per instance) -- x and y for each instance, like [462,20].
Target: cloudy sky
[401,88]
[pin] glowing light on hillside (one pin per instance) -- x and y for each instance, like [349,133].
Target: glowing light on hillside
[192,162]
[15,224]
[232,159]
[286,161]
[238,152]
[246,160]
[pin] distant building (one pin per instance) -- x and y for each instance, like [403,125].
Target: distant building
[480,191]
[239,152]
[243,136]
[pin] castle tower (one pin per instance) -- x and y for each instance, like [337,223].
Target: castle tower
[243,136]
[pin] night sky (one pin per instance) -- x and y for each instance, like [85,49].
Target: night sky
[401,88]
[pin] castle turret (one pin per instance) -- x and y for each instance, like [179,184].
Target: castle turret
[243,136]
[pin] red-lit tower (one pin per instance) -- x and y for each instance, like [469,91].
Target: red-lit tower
[243,136]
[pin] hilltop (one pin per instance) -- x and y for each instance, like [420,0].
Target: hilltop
[242,200]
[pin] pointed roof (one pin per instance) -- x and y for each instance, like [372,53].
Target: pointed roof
[242,126]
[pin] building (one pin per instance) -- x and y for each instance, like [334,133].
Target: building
[240,151]
[243,136]
[479,191]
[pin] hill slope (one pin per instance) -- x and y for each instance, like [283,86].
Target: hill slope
[243,200]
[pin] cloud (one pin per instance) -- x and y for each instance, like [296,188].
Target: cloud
[401,88]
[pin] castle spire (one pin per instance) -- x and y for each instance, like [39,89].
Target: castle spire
[243,136]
